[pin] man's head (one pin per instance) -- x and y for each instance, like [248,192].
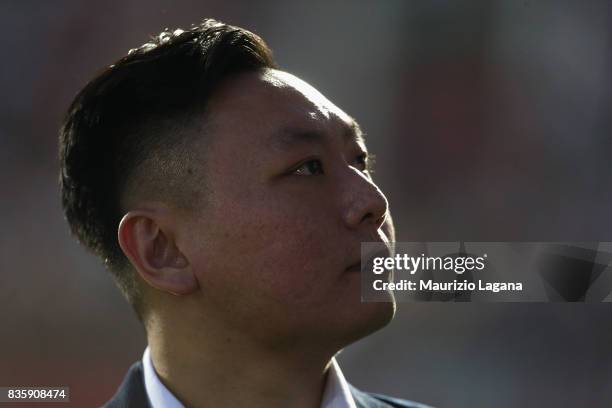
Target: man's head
[216,186]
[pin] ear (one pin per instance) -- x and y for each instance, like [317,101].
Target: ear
[147,239]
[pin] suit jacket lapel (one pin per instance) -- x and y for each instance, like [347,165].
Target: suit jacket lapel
[364,400]
[131,392]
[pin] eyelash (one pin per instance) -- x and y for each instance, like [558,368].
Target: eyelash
[367,161]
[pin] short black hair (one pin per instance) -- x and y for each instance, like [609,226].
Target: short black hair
[130,115]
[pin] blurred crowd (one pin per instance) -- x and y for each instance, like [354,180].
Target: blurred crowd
[489,120]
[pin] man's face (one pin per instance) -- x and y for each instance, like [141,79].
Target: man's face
[276,245]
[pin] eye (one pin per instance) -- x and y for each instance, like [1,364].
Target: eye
[309,168]
[363,162]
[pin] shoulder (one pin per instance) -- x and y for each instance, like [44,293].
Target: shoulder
[131,392]
[373,400]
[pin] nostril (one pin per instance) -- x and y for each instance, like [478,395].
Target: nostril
[378,221]
[367,217]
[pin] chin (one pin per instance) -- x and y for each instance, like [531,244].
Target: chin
[381,314]
[372,316]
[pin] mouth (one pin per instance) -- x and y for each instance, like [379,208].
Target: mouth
[358,267]
[354,268]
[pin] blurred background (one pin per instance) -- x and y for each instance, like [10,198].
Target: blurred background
[490,121]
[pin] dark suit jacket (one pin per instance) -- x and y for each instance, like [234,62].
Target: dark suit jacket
[132,394]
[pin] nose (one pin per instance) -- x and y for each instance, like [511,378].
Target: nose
[364,203]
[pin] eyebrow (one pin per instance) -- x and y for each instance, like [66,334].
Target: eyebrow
[288,138]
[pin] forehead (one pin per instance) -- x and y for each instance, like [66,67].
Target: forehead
[272,103]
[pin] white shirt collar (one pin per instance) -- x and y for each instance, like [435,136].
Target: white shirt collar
[159,395]
[336,394]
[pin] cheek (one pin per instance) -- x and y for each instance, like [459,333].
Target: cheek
[293,259]
[298,268]
[275,250]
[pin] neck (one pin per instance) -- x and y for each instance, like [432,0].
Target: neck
[221,368]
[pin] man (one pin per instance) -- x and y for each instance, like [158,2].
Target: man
[228,199]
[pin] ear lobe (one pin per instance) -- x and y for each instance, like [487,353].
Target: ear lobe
[146,239]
